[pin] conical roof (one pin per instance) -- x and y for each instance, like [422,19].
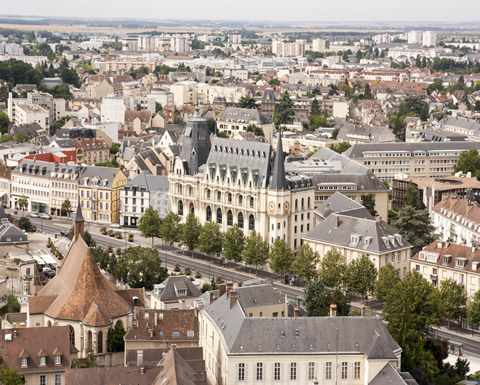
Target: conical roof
[279,182]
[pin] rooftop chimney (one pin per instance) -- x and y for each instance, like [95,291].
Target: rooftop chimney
[380,222]
[333,310]
[212,298]
[337,221]
[362,310]
[222,288]
[296,312]
[233,298]
[229,288]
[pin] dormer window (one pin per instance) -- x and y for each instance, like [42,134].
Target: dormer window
[43,361]
[24,362]
[58,359]
[461,262]
[446,259]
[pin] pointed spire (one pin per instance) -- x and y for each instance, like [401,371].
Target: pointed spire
[197,112]
[79,215]
[279,182]
[78,227]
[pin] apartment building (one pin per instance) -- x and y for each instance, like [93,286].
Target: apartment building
[239,349]
[31,180]
[99,193]
[91,151]
[422,159]
[63,186]
[235,121]
[30,113]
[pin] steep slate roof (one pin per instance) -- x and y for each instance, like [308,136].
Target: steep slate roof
[177,371]
[80,291]
[145,180]
[279,182]
[102,173]
[381,238]
[242,115]
[301,335]
[339,203]
[389,376]
[112,376]
[168,292]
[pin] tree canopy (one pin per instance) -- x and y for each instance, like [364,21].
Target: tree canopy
[149,224]
[361,275]
[170,229]
[234,243]
[317,300]
[304,264]
[468,161]
[255,251]
[281,257]
[247,102]
[454,299]
[387,279]
[210,240]
[284,110]
[333,268]
[191,231]
[368,201]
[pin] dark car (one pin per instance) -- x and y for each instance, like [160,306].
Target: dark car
[50,274]
[64,232]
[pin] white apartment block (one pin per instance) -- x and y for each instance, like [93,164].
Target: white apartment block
[31,113]
[414,37]
[429,39]
[318,45]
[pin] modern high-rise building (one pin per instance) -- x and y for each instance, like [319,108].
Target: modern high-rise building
[429,39]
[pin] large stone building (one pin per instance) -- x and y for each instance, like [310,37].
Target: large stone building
[240,182]
[83,299]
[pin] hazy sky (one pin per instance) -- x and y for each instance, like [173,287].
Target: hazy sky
[298,10]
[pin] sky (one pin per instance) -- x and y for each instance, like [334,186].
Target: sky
[278,10]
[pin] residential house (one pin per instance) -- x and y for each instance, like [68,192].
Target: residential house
[5,184]
[176,292]
[353,133]
[99,193]
[42,355]
[142,191]
[138,121]
[91,151]
[354,235]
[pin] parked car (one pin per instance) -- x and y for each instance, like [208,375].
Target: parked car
[34,215]
[51,274]
[64,232]
[45,216]
[115,226]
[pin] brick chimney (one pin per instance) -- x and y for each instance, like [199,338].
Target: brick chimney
[296,312]
[212,298]
[380,222]
[229,288]
[222,288]
[337,221]
[362,310]
[333,310]
[233,298]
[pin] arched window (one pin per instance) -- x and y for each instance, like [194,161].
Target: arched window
[308,202]
[240,220]
[192,208]
[100,342]
[229,218]
[240,200]
[209,213]
[229,198]
[296,204]
[49,324]
[180,208]
[72,335]
[89,338]
[251,222]
[252,202]
[109,334]
[219,196]
[208,194]
[219,216]
[119,324]
[303,202]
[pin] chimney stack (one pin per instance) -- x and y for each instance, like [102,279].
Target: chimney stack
[212,298]
[222,288]
[380,222]
[337,221]
[233,298]
[296,312]
[362,311]
[229,288]
[333,310]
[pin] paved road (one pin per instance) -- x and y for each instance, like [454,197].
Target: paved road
[210,267]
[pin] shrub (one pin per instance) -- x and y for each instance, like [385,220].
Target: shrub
[198,274]
[188,270]
[176,267]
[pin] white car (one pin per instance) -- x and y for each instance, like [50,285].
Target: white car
[34,215]
[115,226]
[45,216]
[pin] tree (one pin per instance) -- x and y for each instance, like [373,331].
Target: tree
[170,229]
[178,119]
[315,108]
[367,92]
[66,207]
[59,123]
[158,107]
[468,161]
[150,223]
[22,137]
[317,121]
[116,343]
[359,55]
[25,224]
[70,76]
[473,310]
[191,232]
[258,131]
[281,257]
[212,125]
[361,275]
[369,202]
[141,267]
[234,244]
[411,308]
[305,263]
[411,196]
[333,268]
[454,299]
[87,237]
[22,202]
[247,102]
[342,301]
[4,122]
[284,110]
[12,305]
[341,147]
[210,240]
[90,360]
[387,279]
[256,250]
[317,300]
[415,225]
[10,376]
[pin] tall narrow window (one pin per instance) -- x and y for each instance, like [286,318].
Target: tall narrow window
[209,213]
[229,218]
[277,371]
[251,222]
[240,220]
[219,216]
[259,374]
[328,371]
[356,371]
[241,372]
[293,371]
[311,370]
[344,370]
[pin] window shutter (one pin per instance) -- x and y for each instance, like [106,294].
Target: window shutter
[350,371]
[246,372]
[316,371]
[236,371]
[324,376]
[281,372]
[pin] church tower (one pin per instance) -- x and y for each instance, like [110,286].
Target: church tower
[79,224]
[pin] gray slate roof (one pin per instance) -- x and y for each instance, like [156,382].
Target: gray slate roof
[148,182]
[242,115]
[90,172]
[242,335]
[389,376]
[178,282]
[339,203]
[370,237]
[357,150]
[372,134]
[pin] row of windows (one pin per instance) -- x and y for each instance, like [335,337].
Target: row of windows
[87,194]
[27,191]
[348,371]
[89,204]
[69,186]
